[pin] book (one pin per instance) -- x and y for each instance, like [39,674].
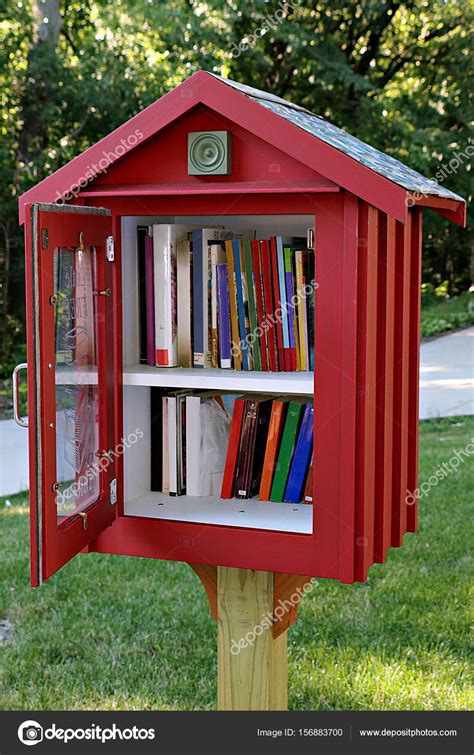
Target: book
[275,430]
[301,457]
[207,438]
[288,254]
[150,301]
[309,274]
[184,302]
[252,445]
[260,304]
[234,321]
[172,447]
[156,438]
[165,473]
[277,311]
[268,305]
[217,256]
[283,303]
[223,317]
[301,318]
[142,299]
[308,488]
[202,294]
[227,489]
[241,314]
[285,454]
[165,237]
[254,341]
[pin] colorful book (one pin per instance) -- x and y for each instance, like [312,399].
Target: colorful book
[269,306]
[252,445]
[308,488]
[234,318]
[301,318]
[260,304]
[288,254]
[202,295]
[184,302]
[285,454]
[150,301]
[310,272]
[227,490]
[275,431]
[239,280]
[254,341]
[277,311]
[217,256]
[223,316]
[301,457]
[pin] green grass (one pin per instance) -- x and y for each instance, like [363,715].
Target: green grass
[122,633]
[441,315]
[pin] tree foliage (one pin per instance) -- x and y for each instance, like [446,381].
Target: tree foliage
[393,72]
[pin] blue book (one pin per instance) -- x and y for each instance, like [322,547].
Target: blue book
[240,304]
[198,302]
[223,316]
[282,286]
[301,457]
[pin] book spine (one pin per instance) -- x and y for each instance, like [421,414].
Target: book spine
[227,490]
[259,303]
[308,488]
[275,431]
[150,301]
[301,310]
[199,299]
[269,308]
[214,334]
[285,454]
[289,283]
[240,305]
[301,457]
[278,314]
[283,303]
[234,322]
[246,450]
[172,446]
[142,285]
[193,445]
[251,292]
[223,317]
[164,258]
[183,254]
[156,439]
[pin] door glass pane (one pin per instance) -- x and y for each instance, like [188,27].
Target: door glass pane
[77,389]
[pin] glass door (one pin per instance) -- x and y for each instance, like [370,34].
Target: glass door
[71,386]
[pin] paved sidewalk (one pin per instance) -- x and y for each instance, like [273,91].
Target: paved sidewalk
[447,375]
[446,389]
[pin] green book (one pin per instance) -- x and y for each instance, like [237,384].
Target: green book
[287,445]
[250,278]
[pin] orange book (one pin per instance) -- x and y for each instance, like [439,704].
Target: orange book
[277,423]
[308,488]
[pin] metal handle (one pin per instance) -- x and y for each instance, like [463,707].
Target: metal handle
[16,396]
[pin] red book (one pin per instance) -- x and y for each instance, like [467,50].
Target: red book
[268,304]
[258,285]
[228,479]
[282,362]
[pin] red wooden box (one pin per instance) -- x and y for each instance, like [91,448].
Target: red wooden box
[290,170]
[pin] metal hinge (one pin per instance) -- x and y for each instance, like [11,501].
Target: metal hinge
[113,491]
[110,248]
[84,519]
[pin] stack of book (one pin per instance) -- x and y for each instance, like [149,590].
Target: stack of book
[270,451]
[210,297]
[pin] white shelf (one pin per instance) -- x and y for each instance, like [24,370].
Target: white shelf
[252,513]
[237,381]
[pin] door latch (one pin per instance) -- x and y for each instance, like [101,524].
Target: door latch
[113,491]
[110,248]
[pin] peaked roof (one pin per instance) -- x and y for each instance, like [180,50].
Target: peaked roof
[351,163]
[364,153]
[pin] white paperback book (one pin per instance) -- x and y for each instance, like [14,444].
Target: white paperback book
[183,260]
[207,437]
[165,238]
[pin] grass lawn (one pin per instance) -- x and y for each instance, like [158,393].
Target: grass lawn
[439,315]
[122,633]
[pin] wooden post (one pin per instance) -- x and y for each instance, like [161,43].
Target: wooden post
[252,664]
[255,608]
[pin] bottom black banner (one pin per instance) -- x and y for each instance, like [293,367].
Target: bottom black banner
[211,732]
